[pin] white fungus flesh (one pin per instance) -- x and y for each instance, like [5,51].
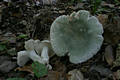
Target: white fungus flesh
[36,50]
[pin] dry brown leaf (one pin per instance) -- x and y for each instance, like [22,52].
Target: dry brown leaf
[62,11]
[75,75]
[10,37]
[103,18]
[110,37]
[116,75]
[54,75]
[109,54]
[18,15]
[107,5]
[27,68]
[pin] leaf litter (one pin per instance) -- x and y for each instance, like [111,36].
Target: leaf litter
[17,18]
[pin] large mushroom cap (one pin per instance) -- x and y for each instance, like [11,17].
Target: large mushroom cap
[79,35]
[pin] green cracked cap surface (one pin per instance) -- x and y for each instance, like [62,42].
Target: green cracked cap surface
[79,35]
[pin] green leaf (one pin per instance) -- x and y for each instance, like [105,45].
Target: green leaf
[22,36]
[2,47]
[16,79]
[39,69]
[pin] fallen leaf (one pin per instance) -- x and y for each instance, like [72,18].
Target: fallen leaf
[117,60]
[60,67]
[40,70]
[62,11]
[75,75]
[103,18]
[107,5]
[116,75]
[111,37]
[18,15]
[27,68]
[7,66]
[12,51]
[9,37]
[16,79]
[54,75]
[102,70]
[2,47]
[109,55]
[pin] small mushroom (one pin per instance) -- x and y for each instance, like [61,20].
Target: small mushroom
[34,48]
[22,58]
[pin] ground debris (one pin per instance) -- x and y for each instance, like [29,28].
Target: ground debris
[117,60]
[75,75]
[109,57]
[6,65]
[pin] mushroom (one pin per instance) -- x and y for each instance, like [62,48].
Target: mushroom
[79,35]
[22,58]
[34,48]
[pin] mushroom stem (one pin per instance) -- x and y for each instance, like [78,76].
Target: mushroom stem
[44,55]
[32,54]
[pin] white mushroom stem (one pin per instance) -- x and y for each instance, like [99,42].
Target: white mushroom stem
[44,55]
[32,54]
[44,58]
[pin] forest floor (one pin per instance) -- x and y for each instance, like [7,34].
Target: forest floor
[20,22]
